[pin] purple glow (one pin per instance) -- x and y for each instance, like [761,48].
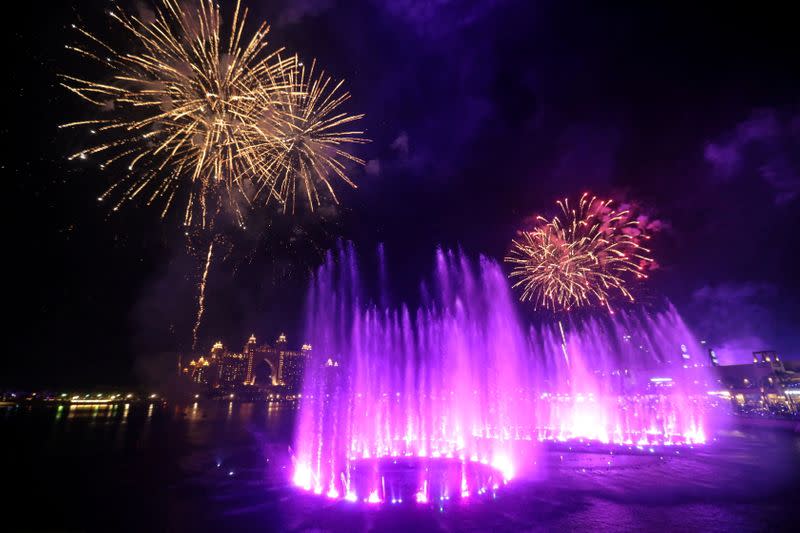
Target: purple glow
[460,382]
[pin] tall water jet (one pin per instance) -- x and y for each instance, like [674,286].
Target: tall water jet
[446,380]
[448,399]
[633,378]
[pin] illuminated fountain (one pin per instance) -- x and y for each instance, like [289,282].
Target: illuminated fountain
[633,378]
[451,400]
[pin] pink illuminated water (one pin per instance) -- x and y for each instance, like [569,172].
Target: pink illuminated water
[394,394]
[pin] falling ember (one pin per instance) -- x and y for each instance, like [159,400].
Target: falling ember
[201,296]
[583,258]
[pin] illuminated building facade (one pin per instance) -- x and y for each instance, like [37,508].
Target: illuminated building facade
[250,352]
[217,351]
[286,366]
[225,369]
[293,366]
[280,343]
[199,371]
[233,369]
[769,358]
[769,384]
[712,355]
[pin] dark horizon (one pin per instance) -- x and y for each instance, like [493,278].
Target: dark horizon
[481,114]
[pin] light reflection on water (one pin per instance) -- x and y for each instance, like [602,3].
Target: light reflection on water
[205,466]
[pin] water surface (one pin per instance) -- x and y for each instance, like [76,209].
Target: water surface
[225,466]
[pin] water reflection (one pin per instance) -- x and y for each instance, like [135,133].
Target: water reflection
[143,425]
[180,456]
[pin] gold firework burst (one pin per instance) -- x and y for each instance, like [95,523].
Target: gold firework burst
[196,117]
[581,259]
[206,118]
[306,148]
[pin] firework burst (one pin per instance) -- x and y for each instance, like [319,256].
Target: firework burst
[583,257]
[206,120]
[305,151]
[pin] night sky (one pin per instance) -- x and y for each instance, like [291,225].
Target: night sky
[481,114]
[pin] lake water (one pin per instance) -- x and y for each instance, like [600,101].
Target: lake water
[216,466]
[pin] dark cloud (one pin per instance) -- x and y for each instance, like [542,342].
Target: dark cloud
[587,155]
[296,10]
[763,145]
[436,18]
[145,12]
[400,145]
[373,167]
[737,318]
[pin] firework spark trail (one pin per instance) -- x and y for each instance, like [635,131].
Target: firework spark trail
[202,296]
[211,121]
[583,258]
[207,122]
[563,342]
[180,103]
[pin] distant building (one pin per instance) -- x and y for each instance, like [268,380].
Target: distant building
[768,383]
[280,343]
[770,358]
[685,356]
[222,368]
[250,351]
[199,371]
[712,355]
[218,350]
[293,366]
[286,367]
[233,369]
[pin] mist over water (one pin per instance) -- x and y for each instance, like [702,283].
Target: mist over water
[460,378]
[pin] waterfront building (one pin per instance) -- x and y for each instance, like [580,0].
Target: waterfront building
[233,370]
[229,370]
[769,384]
[712,355]
[250,351]
[286,366]
[199,371]
[293,365]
